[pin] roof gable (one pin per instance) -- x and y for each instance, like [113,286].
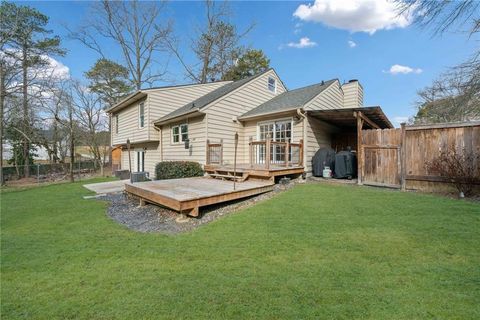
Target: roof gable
[135,96]
[206,100]
[289,100]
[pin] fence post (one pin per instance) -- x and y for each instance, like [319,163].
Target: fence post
[38,173]
[359,148]
[403,160]
[79,170]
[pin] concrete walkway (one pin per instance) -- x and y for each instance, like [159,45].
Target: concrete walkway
[107,187]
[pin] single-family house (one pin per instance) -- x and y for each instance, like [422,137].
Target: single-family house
[207,122]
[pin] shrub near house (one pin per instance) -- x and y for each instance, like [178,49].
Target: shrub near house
[177,169]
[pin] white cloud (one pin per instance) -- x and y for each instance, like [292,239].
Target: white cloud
[399,69]
[55,69]
[298,28]
[351,44]
[304,42]
[354,15]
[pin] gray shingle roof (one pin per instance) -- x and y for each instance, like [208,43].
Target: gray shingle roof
[289,100]
[205,100]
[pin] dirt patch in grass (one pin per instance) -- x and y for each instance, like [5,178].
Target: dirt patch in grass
[152,218]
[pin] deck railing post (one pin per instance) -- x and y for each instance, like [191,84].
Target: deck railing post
[300,153]
[250,150]
[208,152]
[267,152]
[287,153]
[221,152]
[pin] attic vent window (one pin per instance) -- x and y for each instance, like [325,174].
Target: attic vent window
[272,84]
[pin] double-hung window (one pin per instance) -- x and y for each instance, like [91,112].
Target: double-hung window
[141,115]
[272,84]
[180,133]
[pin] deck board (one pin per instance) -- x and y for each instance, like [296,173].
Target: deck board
[192,193]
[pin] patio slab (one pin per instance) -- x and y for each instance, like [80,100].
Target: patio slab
[107,187]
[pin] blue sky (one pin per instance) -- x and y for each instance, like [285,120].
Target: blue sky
[327,53]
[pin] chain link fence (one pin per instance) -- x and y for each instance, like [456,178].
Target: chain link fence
[53,172]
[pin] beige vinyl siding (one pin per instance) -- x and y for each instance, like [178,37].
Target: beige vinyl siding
[158,103]
[251,130]
[318,134]
[152,156]
[176,151]
[330,98]
[352,95]
[129,125]
[221,114]
[163,101]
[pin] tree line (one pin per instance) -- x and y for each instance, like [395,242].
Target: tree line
[42,108]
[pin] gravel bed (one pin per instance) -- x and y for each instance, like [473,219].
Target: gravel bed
[151,218]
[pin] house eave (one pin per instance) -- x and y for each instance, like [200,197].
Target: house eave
[127,101]
[192,114]
[269,114]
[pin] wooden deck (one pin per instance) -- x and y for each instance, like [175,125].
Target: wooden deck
[255,170]
[189,194]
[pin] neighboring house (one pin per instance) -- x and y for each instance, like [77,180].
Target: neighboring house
[198,123]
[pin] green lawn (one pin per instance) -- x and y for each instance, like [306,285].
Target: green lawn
[316,251]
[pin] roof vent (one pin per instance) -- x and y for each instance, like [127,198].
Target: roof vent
[323,82]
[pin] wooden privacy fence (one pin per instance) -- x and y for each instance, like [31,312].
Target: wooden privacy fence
[395,157]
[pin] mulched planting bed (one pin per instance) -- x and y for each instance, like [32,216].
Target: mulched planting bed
[125,210]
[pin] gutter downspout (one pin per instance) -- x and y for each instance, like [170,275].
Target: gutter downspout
[302,114]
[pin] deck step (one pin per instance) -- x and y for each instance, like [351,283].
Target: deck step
[231,177]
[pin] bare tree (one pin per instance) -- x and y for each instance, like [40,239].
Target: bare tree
[449,98]
[455,95]
[91,118]
[136,28]
[216,45]
[443,15]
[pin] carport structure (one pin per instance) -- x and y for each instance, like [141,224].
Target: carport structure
[350,123]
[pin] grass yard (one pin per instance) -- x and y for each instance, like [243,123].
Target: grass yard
[316,251]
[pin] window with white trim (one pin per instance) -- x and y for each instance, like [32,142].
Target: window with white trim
[272,84]
[180,133]
[141,115]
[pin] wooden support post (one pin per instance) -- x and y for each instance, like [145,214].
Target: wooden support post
[267,152]
[360,154]
[287,153]
[403,158]
[142,202]
[129,160]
